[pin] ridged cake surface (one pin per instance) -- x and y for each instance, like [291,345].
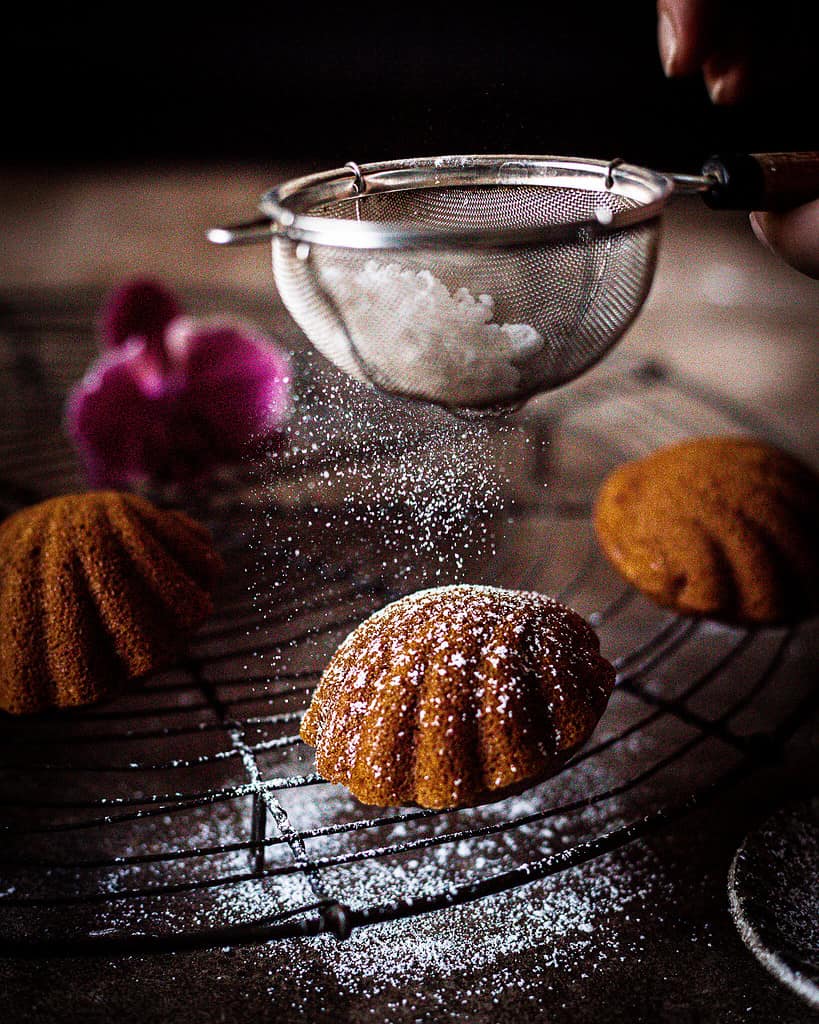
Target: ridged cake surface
[95,589]
[724,527]
[455,695]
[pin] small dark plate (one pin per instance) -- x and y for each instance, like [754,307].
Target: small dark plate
[773,888]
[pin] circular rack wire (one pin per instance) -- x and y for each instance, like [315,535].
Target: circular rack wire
[187,814]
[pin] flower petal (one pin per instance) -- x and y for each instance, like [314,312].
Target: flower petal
[117,417]
[178,397]
[236,379]
[139,308]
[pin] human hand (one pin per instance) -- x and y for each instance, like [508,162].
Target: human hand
[719,40]
[793,235]
[707,36]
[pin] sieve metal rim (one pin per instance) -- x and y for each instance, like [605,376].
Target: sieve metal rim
[285,203]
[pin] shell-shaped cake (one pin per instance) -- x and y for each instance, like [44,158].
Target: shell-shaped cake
[95,589]
[724,527]
[456,695]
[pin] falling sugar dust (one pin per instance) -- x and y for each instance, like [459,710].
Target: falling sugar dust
[372,498]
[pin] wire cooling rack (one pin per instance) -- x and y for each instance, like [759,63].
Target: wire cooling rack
[187,813]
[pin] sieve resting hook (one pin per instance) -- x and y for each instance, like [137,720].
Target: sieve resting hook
[359,184]
[613,164]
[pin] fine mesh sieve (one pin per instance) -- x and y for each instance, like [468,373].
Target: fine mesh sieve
[475,281]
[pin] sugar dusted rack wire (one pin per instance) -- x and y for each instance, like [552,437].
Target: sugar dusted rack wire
[187,814]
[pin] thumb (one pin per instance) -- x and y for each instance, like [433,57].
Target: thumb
[793,235]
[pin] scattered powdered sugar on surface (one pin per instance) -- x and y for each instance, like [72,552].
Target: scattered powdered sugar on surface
[572,924]
[410,328]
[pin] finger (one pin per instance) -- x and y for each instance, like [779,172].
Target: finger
[793,235]
[684,29]
[726,79]
[727,69]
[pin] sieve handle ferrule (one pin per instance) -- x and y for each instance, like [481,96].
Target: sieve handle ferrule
[260,230]
[762,181]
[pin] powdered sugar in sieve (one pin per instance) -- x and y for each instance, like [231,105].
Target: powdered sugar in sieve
[449,338]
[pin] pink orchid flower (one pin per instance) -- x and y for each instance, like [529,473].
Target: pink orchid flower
[171,396]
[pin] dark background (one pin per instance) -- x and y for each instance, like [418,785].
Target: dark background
[250,82]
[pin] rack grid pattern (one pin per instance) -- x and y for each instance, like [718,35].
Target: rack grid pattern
[186,813]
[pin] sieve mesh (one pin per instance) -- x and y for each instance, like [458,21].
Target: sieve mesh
[416,321]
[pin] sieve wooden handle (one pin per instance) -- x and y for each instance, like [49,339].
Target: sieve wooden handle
[762,181]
